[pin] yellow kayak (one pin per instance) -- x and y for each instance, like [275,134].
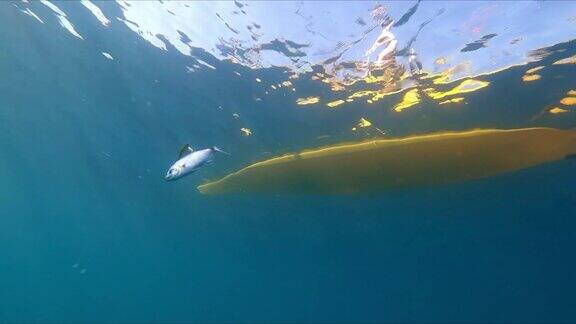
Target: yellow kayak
[387,164]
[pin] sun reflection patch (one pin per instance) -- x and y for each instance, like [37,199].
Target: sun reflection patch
[568,101]
[336,86]
[530,77]
[374,79]
[364,123]
[359,94]
[534,70]
[307,101]
[557,110]
[441,61]
[568,60]
[448,75]
[335,103]
[246,131]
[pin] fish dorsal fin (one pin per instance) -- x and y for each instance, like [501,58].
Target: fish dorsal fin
[185,150]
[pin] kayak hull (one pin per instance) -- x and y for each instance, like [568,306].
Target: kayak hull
[388,164]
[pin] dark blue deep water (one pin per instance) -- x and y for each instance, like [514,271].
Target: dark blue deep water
[91,231]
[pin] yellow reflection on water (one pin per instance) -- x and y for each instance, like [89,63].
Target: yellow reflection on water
[568,101]
[530,77]
[363,93]
[454,100]
[364,123]
[469,85]
[410,99]
[447,76]
[568,60]
[536,69]
[557,110]
[307,101]
[335,103]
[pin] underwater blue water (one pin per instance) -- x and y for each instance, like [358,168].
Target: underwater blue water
[91,231]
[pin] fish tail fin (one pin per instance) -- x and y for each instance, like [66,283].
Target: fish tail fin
[217,149]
